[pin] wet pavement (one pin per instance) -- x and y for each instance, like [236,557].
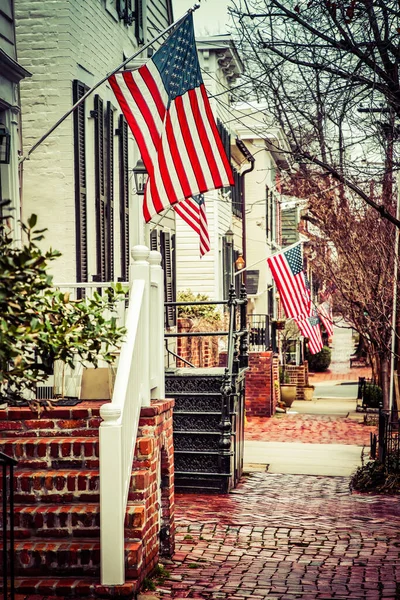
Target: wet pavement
[284,537]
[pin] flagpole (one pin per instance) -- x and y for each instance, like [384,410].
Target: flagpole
[99,83]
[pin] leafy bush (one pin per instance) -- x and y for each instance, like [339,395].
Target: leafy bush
[375,477]
[319,361]
[372,395]
[208,312]
[39,324]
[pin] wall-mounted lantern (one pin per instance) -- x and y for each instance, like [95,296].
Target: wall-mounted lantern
[5,145]
[141,176]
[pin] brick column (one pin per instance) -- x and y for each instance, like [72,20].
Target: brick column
[261,397]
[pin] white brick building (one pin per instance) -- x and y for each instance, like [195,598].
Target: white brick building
[79,181]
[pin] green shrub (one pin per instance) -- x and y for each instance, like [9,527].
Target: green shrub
[319,361]
[372,395]
[208,312]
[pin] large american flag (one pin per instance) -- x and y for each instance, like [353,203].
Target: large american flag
[288,273]
[310,328]
[167,109]
[193,211]
[325,314]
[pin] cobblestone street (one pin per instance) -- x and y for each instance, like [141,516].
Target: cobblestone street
[286,537]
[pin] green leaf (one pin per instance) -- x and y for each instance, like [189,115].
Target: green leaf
[32,221]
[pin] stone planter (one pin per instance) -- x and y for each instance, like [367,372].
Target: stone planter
[308,392]
[288,393]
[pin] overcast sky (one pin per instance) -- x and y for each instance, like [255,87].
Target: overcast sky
[211,18]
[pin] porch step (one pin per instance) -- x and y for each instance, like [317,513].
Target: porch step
[81,557]
[58,486]
[53,452]
[68,520]
[81,420]
[38,588]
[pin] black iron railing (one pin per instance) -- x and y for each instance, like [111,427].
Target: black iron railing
[386,446]
[259,332]
[7,465]
[237,351]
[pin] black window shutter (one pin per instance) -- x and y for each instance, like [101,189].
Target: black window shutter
[101,225]
[267,213]
[110,191]
[79,89]
[139,30]
[166,263]
[124,196]
[154,240]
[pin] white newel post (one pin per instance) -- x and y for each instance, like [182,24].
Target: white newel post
[140,269]
[157,325]
[111,529]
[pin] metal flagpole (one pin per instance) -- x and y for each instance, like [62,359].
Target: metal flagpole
[394,311]
[98,84]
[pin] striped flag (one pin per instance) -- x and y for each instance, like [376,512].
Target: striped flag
[325,314]
[309,327]
[193,212]
[166,106]
[287,271]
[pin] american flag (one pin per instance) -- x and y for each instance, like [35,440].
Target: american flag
[287,271]
[167,109]
[193,211]
[309,327]
[325,314]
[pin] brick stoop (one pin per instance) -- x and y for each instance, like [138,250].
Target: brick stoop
[56,494]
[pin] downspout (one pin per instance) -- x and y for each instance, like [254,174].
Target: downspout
[250,158]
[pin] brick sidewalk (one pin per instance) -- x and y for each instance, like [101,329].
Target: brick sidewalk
[342,375]
[312,429]
[282,537]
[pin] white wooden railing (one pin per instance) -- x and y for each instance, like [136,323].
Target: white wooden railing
[140,377]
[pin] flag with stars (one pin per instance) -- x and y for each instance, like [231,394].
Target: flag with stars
[289,276]
[167,109]
[310,328]
[193,211]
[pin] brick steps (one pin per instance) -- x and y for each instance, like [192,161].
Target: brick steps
[76,520]
[53,452]
[80,557]
[56,486]
[38,588]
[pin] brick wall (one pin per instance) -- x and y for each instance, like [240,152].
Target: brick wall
[200,351]
[262,394]
[153,480]
[299,376]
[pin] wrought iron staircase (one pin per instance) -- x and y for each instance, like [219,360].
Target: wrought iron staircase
[209,409]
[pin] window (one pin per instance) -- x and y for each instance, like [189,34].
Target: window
[104,189]
[131,11]
[79,89]
[124,196]
[270,215]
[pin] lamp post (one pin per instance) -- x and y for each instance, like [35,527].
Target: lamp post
[5,145]
[229,236]
[240,265]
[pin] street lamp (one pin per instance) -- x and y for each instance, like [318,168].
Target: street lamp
[240,262]
[141,176]
[229,235]
[5,145]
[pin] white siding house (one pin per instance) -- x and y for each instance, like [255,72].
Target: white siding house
[80,181]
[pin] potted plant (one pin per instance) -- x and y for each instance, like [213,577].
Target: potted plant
[308,392]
